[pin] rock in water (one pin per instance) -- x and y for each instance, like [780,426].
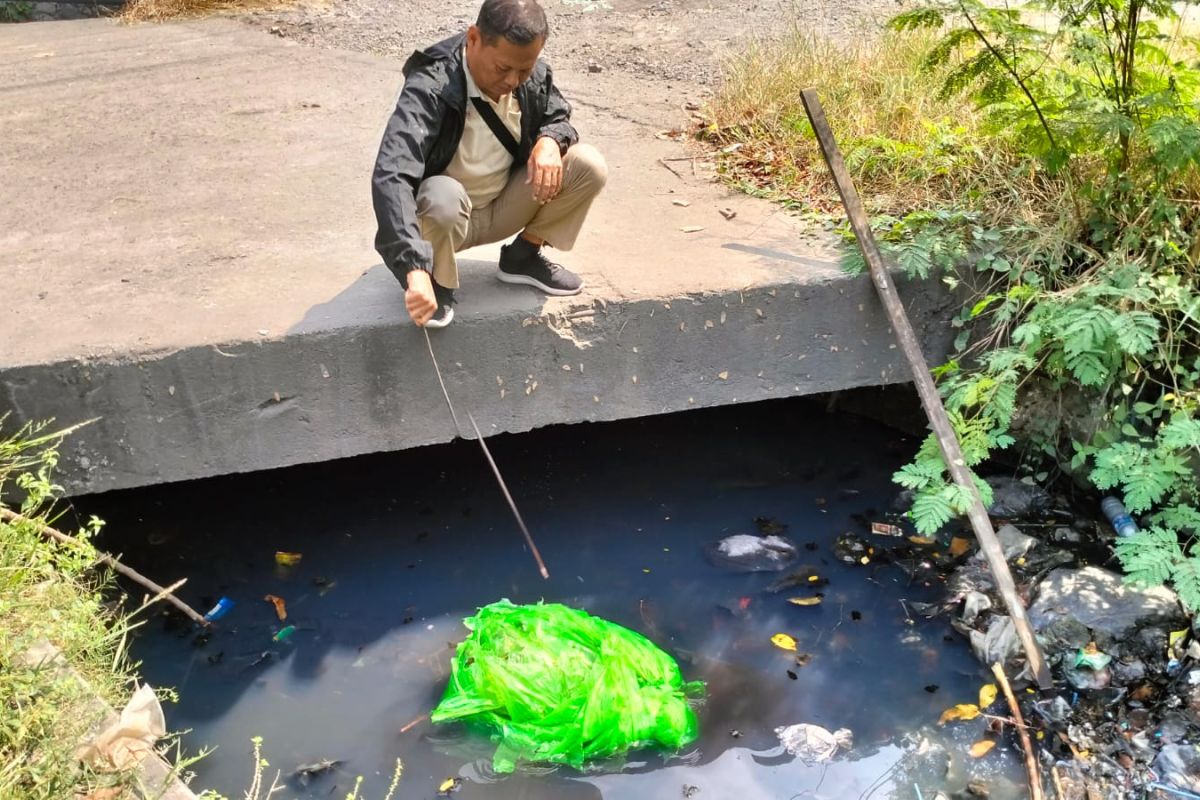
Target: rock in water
[1013,499]
[1102,601]
[1014,543]
[745,553]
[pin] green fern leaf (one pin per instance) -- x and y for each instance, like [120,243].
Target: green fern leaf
[1181,433]
[960,499]
[1136,332]
[1150,557]
[1186,578]
[917,475]
[917,18]
[1179,517]
[1087,368]
[1087,329]
[931,510]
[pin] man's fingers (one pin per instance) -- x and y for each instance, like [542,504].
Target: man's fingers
[420,308]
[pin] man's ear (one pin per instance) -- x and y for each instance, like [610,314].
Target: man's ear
[474,37]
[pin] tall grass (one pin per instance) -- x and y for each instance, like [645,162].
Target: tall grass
[907,144]
[49,592]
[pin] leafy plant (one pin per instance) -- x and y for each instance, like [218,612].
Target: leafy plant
[1100,310]
[15,11]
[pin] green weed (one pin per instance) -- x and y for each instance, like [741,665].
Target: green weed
[50,593]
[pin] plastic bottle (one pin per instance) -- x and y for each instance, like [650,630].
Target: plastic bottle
[219,610]
[1118,517]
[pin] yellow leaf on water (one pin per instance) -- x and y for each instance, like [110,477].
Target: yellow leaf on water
[287,559]
[784,642]
[959,545]
[962,711]
[447,785]
[987,695]
[805,601]
[982,748]
[921,540]
[813,578]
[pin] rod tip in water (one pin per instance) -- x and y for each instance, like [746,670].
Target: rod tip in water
[545,573]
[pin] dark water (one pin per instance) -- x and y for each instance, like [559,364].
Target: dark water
[413,542]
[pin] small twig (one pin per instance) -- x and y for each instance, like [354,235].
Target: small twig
[414,723]
[1058,787]
[1035,777]
[669,168]
[109,561]
[1006,720]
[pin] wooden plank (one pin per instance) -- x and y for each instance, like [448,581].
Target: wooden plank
[931,401]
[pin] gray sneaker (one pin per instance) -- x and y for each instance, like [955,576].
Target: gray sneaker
[522,263]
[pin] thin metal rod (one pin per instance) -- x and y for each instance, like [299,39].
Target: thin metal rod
[533,548]
[930,399]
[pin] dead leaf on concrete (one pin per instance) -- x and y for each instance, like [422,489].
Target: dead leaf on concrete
[691,228]
[727,213]
[681,203]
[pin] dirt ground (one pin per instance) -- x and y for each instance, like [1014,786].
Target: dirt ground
[661,41]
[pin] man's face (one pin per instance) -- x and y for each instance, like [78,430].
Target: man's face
[502,66]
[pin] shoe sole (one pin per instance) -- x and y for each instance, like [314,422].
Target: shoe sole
[443,322]
[526,280]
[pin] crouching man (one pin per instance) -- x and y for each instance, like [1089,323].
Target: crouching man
[481,148]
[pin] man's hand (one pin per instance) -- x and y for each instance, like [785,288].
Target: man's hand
[419,297]
[545,169]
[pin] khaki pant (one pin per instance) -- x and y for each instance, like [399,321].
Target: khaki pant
[450,224]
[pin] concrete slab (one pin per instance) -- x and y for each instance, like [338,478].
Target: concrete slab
[185,254]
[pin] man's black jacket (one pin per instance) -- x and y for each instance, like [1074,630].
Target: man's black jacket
[422,137]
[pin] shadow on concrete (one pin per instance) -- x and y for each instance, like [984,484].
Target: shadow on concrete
[377,299]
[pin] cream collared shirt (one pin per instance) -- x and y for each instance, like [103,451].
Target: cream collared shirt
[481,164]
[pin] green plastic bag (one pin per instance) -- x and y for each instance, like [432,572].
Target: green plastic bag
[553,684]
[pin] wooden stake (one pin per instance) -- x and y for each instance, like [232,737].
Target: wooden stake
[1058,787]
[931,401]
[1035,777]
[104,558]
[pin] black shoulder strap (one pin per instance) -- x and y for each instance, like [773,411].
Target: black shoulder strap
[503,134]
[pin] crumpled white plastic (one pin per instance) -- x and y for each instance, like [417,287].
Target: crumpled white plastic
[813,744]
[130,739]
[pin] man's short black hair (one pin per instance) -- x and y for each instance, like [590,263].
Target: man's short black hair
[521,22]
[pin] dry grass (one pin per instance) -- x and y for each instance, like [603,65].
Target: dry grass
[166,10]
[907,146]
